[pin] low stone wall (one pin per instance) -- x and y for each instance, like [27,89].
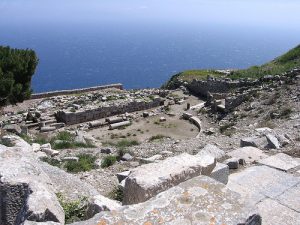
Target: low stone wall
[75,91]
[200,87]
[70,118]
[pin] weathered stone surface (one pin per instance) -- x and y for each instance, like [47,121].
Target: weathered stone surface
[232,163]
[249,154]
[273,141]
[281,161]
[127,157]
[220,173]
[148,180]
[291,198]
[283,140]
[26,190]
[151,159]
[36,147]
[100,203]
[40,223]
[72,188]
[259,182]
[121,176]
[273,212]
[212,150]
[200,201]
[258,142]
[17,142]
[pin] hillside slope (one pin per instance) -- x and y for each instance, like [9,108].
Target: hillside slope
[279,65]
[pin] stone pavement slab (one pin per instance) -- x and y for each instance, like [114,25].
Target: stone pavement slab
[273,213]
[249,154]
[281,161]
[259,182]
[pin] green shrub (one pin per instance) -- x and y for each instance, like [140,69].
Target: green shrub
[64,136]
[51,161]
[74,210]
[85,163]
[108,161]
[116,194]
[157,137]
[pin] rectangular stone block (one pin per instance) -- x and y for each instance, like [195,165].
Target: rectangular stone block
[146,181]
[220,173]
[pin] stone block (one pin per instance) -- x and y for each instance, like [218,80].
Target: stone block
[273,141]
[281,161]
[148,180]
[123,175]
[200,200]
[232,163]
[100,203]
[212,150]
[220,173]
[249,154]
[258,142]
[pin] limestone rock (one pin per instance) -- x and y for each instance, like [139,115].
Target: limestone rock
[258,142]
[199,200]
[26,190]
[212,150]
[249,154]
[273,141]
[127,157]
[281,161]
[148,180]
[220,173]
[36,147]
[17,142]
[232,163]
[100,203]
[123,175]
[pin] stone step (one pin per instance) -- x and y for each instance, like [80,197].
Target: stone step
[200,200]
[148,180]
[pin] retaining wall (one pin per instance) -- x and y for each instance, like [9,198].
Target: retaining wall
[75,91]
[200,87]
[70,118]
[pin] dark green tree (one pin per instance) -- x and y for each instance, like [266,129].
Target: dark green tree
[17,67]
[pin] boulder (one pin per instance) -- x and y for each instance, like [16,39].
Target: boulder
[36,147]
[16,142]
[26,190]
[258,142]
[212,150]
[13,128]
[273,141]
[200,200]
[123,175]
[283,140]
[150,179]
[126,157]
[232,163]
[220,173]
[249,154]
[100,203]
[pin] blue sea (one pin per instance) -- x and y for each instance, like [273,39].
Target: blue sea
[140,55]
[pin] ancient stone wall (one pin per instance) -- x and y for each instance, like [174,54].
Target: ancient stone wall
[75,91]
[70,118]
[200,87]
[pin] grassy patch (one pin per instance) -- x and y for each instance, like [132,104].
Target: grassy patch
[51,161]
[116,194]
[85,163]
[157,137]
[108,161]
[74,210]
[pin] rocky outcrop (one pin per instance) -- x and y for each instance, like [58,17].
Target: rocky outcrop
[25,190]
[148,180]
[200,200]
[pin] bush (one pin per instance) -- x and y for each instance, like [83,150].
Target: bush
[157,137]
[51,161]
[116,194]
[85,163]
[74,210]
[108,161]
